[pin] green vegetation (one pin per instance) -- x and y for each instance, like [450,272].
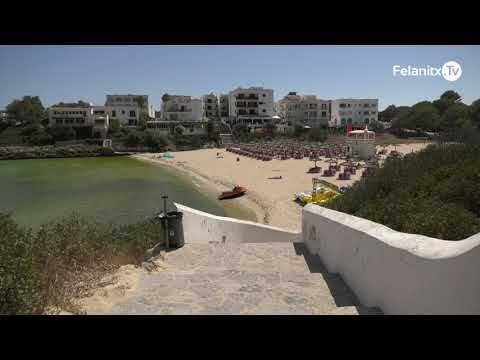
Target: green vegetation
[317,135]
[434,192]
[28,110]
[48,270]
[49,151]
[447,115]
[152,140]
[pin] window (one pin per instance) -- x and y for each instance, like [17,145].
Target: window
[59,121]
[114,113]
[324,114]
[367,120]
[342,105]
[123,112]
[132,113]
[264,95]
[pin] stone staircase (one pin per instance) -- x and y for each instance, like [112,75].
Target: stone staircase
[238,278]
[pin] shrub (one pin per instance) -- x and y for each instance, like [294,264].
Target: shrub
[155,141]
[31,129]
[317,135]
[134,138]
[40,138]
[62,133]
[433,192]
[56,265]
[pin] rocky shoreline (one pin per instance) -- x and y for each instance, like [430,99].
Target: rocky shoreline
[48,152]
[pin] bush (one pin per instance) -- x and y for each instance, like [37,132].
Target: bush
[433,192]
[134,138]
[62,133]
[317,135]
[31,129]
[40,138]
[113,127]
[154,141]
[51,268]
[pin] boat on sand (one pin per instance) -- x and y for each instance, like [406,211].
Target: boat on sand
[236,192]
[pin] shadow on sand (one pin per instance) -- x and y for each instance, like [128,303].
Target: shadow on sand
[341,293]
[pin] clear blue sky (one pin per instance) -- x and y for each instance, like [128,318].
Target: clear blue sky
[71,73]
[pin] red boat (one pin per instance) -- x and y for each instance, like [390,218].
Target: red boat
[237,191]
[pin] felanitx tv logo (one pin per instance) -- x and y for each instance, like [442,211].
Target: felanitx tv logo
[451,71]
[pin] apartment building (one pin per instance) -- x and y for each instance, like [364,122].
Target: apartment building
[358,112]
[223,106]
[181,108]
[180,114]
[6,117]
[211,108]
[127,108]
[90,120]
[306,109]
[252,106]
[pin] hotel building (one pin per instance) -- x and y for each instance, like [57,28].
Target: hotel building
[127,108]
[358,112]
[211,106]
[252,106]
[305,109]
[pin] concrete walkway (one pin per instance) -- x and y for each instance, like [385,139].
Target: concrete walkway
[272,278]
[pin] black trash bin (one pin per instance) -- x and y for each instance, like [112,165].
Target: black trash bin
[175,229]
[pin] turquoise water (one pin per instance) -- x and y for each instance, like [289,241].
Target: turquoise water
[110,189]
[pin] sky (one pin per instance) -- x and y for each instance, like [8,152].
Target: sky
[72,73]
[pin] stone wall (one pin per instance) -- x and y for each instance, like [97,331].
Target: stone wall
[399,273]
[201,227]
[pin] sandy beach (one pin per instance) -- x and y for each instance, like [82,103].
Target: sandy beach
[271,199]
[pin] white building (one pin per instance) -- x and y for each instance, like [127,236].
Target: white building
[181,108]
[252,106]
[127,108]
[306,109]
[211,106]
[223,106]
[92,120]
[358,112]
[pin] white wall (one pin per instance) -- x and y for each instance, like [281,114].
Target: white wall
[201,227]
[397,272]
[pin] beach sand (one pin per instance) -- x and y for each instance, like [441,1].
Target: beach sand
[270,199]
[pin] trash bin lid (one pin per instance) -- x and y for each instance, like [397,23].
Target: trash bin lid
[176,214]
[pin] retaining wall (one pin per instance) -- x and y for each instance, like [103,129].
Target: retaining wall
[399,273]
[202,227]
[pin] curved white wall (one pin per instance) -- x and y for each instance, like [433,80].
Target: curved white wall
[201,227]
[400,273]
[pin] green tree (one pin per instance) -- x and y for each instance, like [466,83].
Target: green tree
[298,130]
[376,126]
[134,138]
[240,130]
[475,113]
[62,133]
[317,135]
[447,99]
[142,121]
[390,113]
[270,129]
[455,116]
[114,127]
[28,110]
[154,141]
